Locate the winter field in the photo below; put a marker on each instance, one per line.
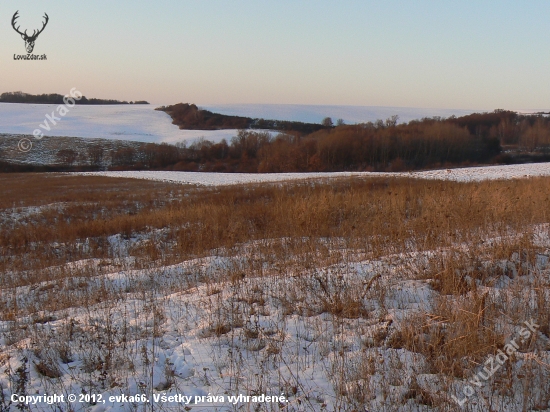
(139, 123)
(373, 294)
(142, 123)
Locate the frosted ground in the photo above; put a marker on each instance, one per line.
(200, 328)
(144, 124)
(186, 329)
(219, 179)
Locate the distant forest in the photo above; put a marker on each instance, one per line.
(499, 137)
(189, 116)
(20, 97)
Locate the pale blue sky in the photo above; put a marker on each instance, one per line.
(440, 54)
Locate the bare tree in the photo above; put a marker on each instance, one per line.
(96, 155)
(392, 121)
(327, 122)
(66, 156)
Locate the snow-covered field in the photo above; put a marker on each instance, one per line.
(139, 123)
(144, 124)
(220, 179)
(187, 330)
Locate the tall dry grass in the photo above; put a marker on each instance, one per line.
(378, 216)
(279, 240)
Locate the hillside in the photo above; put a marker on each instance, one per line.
(73, 153)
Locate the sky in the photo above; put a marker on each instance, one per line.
(410, 53)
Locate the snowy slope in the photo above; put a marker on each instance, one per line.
(144, 124)
(139, 123)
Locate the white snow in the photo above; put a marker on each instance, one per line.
(144, 124)
(139, 123)
(221, 179)
(163, 339)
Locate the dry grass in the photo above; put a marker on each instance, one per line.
(289, 249)
(376, 214)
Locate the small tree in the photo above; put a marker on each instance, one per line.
(392, 121)
(340, 122)
(96, 155)
(327, 122)
(124, 156)
(66, 156)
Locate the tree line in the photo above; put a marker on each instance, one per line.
(481, 138)
(190, 117)
(54, 98)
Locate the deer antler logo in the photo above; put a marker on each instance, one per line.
(29, 40)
